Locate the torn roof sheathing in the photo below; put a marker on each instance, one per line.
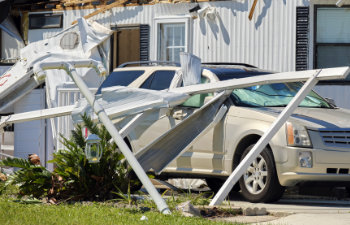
(20, 79)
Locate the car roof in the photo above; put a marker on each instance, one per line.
(234, 72)
(223, 71)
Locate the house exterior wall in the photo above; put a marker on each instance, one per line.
(267, 41)
(30, 137)
(9, 46)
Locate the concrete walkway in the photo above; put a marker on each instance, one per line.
(312, 219)
(299, 212)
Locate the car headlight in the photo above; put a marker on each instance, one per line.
(297, 135)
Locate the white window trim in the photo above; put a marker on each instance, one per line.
(172, 19)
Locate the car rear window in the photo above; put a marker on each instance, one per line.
(120, 78)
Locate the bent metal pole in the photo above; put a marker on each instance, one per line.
(264, 140)
(40, 68)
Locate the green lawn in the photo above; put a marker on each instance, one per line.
(20, 213)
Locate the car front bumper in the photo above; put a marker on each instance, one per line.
(327, 165)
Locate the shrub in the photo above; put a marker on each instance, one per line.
(73, 177)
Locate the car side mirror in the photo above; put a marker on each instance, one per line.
(331, 101)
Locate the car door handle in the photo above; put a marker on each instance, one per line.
(178, 115)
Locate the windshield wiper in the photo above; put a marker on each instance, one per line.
(281, 105)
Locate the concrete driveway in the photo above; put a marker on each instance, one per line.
(299, 212)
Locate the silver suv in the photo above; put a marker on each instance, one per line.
(314, 145)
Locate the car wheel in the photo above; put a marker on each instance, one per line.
(260, 182)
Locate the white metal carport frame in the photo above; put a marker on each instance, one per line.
(264, 140)
(311, 77)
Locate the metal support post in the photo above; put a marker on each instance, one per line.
(264, 140)
(102, 115)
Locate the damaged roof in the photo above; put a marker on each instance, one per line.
(39, 5)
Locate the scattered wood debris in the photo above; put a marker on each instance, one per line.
(3, 177)
(88, 4)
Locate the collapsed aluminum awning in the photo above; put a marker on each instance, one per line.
(131, 108)
(162, 151)
(78, 42)
(209, 111)
(122, 101)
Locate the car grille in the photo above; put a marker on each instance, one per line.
(336, 138)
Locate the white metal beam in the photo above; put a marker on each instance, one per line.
(102, 115)
(325, 74)
(36, 115)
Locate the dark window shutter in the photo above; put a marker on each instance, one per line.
(144, 42)
(302, 38)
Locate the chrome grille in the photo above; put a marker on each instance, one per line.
(336, 138)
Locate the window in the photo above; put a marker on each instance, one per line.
(197, 101)
(172, 37)
(120, 78)
(332, 38)
(159, 80)
(45, 21)
(275, 95)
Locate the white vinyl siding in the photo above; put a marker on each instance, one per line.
(30, 136)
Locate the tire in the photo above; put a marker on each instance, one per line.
(216, 183)
(260, 182)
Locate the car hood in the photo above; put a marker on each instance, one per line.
(314, 118)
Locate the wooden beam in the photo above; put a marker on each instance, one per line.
(71, 3)
(252, 10)
(103, 9)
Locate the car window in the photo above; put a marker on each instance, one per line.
(120, 78)
(197, 101)
(159, 80)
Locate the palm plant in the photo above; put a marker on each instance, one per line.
(91, 181)
(33, 180)
(73, 177)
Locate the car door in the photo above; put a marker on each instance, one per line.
(206, 155)
(151, 127)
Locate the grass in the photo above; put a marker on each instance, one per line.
(17, 212)
(21, 212)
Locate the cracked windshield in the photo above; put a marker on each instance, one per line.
(276, 95)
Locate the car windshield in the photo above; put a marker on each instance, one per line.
(276, 95)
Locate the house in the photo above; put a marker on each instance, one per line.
(277, 35)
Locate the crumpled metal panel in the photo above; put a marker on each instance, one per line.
(122, 101)
(170, 145)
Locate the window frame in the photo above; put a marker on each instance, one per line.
(316, 44)
(187, 20)
(45, 15)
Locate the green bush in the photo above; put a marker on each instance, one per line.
(73, 178)
(33, 180)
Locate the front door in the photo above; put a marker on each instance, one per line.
(130, 43)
